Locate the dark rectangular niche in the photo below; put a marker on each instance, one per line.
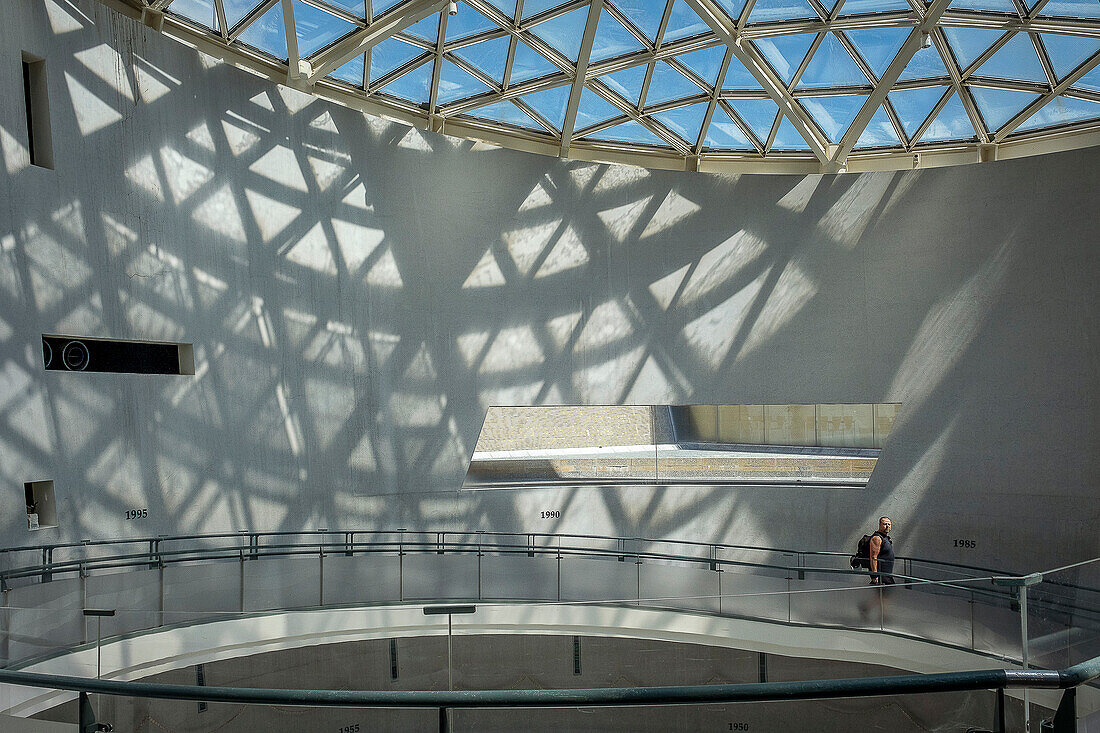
(80, 354)
(41, 507)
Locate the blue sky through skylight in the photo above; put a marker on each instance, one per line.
(831, 89)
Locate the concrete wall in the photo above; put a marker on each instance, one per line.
(359, 292)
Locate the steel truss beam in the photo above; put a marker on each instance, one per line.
(719, 22)
(582, 69)
(889, 78)
(358, 42)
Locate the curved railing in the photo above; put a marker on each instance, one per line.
(184, 579)
(1064, 720)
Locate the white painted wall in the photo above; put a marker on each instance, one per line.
(359, 292)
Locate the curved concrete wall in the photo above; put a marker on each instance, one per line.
(359, 292)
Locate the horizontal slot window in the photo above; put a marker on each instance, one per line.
(79, 354)
(827, 445)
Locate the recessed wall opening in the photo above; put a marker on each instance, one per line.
(80, 354)
(41, 507)
(37, 104)
(826, 445)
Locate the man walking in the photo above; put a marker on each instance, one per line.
(882, 554)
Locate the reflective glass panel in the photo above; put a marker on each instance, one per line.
(1066, 53)
(612, 39)
(998, 106)
(1061, 111)
(952, 123)
(391, 54)
(508, 113)
(913, 105)
(629, 132)
(787, 137)
(564, 32)
(831, 66)
(550, 103)
(684, 121)
(593, 109)
(833, 114)
(879, 46)
(785, 53)
(455, 83)
(668, 84)
(1015, 60)
(879, 132)
(724, 133)
(267, 33)
(758, 114)
(530, 64)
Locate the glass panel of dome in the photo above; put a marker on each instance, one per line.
(530, 64)
(725, 134)
(706, 63)
(235, 10)
(834, 114)
(969, 43)
(787, 137)
(550, 103)
(629, 132)
(1015, 60)
(507, 7)
(316, 28)
(1072, 8)
(267, 33)
(380, 6)
(391, 54)
(455, 84)
(732, 8)
(1061, 111)
(489, 57)
(992, 6)
(684, 121)
(1066, 53)
(612, 39)
(467, 22)
(425, 28)
(785, 53)
(532, 8)
(738, 77)
(951, 123)
(879, 132)
(758, 114)
(879, 46)
(413, 86)
(200, 11)
(593, 109)
(668, 84)
(627, 83)
(863, 7)
(355, 7)
(351, 72)
(507, 113)
(644, 14)
(683, 22)
(766, 11)
(998, 106)
(925, 64)
(1090, 80)
(913, 105)
(564, 32)
(831, 66)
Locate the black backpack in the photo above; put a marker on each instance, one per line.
(862, 558)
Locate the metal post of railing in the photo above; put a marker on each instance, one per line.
(1021, 585)
(999, 712)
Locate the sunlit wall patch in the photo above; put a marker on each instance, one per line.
(821, 445)
(81, 354)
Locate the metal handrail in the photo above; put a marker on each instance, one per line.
(344, 541)
(992, 679)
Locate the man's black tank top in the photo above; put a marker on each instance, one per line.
(885, 553)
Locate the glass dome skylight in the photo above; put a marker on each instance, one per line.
(696, 78)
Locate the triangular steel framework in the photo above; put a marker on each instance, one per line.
(739, 38)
